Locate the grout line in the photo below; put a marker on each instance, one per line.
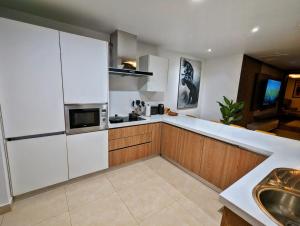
(70, 219)
(128, 208)
(67, 200)
(121, 200)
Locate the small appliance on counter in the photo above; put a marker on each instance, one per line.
(157, 110)
(161, 109)
(148, 110)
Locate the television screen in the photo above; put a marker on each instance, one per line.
(272, 92)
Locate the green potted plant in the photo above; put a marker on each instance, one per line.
(231, 111)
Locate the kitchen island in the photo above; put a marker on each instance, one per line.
(281, 152)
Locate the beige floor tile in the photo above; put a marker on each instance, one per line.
(87, 190)
(61, 220)
(156, 163)
(1, 218)
(201, 215)
(110, 211)
(173, 215)
(130, 176)
(145, 199)
(167, 187)
(207, 201)
(37, 208)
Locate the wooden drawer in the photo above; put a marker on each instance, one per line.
(129, 154)
(129, 141)
(128, 131)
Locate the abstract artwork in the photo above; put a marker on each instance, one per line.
(189, 83)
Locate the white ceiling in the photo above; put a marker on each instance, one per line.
(189, 26)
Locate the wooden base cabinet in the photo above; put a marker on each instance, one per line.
(219, 163)
(229, 218)
(131, 143)
(124, 155)
(223, 164)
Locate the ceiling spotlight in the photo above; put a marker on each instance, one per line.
(255, 29)
(294, 75)
(209, 50)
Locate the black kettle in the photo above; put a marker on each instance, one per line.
(161, 109)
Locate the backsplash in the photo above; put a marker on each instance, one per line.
(120, 101)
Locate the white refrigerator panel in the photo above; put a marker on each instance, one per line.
(84, 69)
(87, 153)
(30, 79)
(37, 162)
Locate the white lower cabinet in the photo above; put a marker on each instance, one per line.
(87, 153)
(37, 162)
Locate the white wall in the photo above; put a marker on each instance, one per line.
(125, 89)
(5, 197)
(220, 78)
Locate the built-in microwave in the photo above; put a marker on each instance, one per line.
(82, 118)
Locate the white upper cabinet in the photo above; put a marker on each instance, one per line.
(30, 79)
(84, 69)
(159, 66)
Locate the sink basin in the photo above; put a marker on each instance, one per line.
(283, 206)
(278, 195)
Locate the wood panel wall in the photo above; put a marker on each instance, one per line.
(247, 87)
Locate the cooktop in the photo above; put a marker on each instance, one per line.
(119, 119)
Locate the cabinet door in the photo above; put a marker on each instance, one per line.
(87, 153)
(213, 161)
(159, 66)
(171, 141)
(30, 79)
(36, 163)
(84, 69)
(238, 163)
(156, 138)
(191, 151)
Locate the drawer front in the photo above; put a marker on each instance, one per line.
(129, 154)
(128, 132)
(129, 141)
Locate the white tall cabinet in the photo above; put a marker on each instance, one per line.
(159, 66)
(31, 97)
(30, 79)
(84, 69)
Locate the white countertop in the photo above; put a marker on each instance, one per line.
(238, 197)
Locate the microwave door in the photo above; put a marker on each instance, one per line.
(80, 118)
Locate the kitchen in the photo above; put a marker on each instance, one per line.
(94, 132)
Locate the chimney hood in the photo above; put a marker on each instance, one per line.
(123, 54)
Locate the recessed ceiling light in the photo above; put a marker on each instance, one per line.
(255, 29)
(198, 0)
(209, 50)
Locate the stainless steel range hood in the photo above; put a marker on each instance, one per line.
(123, 54)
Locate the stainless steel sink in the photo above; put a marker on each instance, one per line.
(278, 195)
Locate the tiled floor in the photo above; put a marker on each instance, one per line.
(150, 192)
